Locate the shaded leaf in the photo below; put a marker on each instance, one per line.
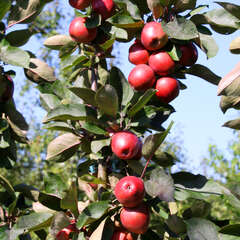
(7, 186)
(5, 5)
(19, 38)
(182, 5)
(229, 102)
(233, 229)
(152, 142)
(92, 212)
(235, 46)
(25, 12)
(156, 8)
(143, 100)
(107, 100)
(86, 94)
(234, 124)
(180, 28)
(39, 71)
(231, 8)
(161, 185)
(49, 101)
(49, 200)
(63, 147)
(70, 200)
(69, 112)
(201, 229)
(97, 145)
(229, 84)
(57, 41)
(90, 127)
(204, 73)
(120, 83)
(60, 221)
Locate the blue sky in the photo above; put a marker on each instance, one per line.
(198, 118)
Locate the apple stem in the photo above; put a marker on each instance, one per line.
(145, 168)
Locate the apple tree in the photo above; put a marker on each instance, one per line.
(122, 186)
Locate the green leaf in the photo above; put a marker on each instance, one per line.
(180, 28)
(4, 233)
(63, 147)
(120, 83)
(201, 229)
(234, 124)
(5, 5)
(119, 33)
(70, 200)
(97, 145)
(227, 237)
(7, 186)
(161, 185)
(92, 212)
(86, 94)
(94, 21)
(163, 159)
(204, 73)
(152, 142)
(28, 191)
(93, 128)
(34, 221)
(50, 201)
(175, 53)
(13, 55)
(69, 112)
(107, 100)
(49, 101)
(143, 100)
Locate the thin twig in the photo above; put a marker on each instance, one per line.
(145, 168)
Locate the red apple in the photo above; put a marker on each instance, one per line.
(80, 4)
(141, 77)
(125, 145)
(130, 191)
(189, 54)
(65, 232)
(161, 63)
(121, 235)
(135, 220)
(80, 33)
(153, 37)
(103, 7)
(139, 153)
(138, 54)
(168, 89)
(7, 88)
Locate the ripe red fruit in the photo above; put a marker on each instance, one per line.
(125, 145)
(161, 63)
(136, 219)
(121, 235)
(7, 88)
(80, 4)
(103, 7)
(153, 37)
(130, 191)
(189, 54)
(141, 77)
(79, 32)
(168, 89)
(138, 54)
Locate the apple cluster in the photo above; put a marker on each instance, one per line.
(78, 30)
(134, 215)
(152, 59)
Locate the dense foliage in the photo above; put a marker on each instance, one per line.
(90, 103)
